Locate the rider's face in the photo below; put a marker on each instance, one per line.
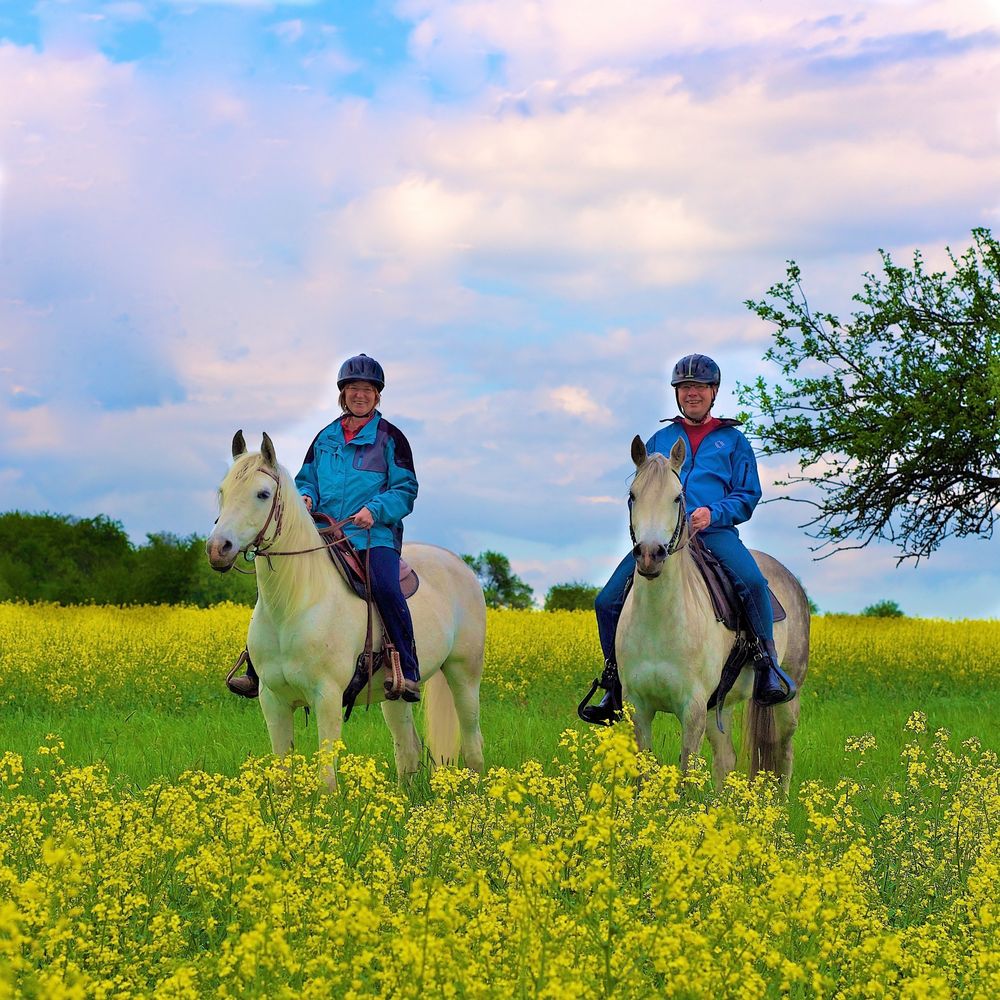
(360, 398)
(696, 399)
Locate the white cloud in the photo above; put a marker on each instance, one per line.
(576, 401)
(527, 259)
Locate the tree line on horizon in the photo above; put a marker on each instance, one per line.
(70, 560)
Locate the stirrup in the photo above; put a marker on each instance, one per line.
(246, 685)
(393, 672)
(610, 682)
(765, 663)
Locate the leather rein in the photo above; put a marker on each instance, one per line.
(258, 548)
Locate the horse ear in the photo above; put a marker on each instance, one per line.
(267, 451)
(638, 451)
(677, 455)
(239, 445)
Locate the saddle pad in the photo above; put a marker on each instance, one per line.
(351, 563)
(725, 600)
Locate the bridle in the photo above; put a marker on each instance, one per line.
(276, 514)
(674, 544)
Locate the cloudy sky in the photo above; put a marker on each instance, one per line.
(526, 209)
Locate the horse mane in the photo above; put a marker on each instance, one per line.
(309, 572)
(656, 471)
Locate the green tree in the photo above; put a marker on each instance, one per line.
(571, 597)
(164, 568)
(884, 609)
(502, 588)
(54, 557)
(893, 413)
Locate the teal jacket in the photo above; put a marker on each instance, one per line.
(375, 470)
(723, 476)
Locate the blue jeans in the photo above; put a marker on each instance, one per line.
(383, 565)
(725, 545)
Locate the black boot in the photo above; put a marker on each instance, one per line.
(609, 709)
(771, 685)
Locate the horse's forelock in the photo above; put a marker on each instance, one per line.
(244, 466)
(652, 470)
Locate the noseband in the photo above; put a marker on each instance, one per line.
(673, 545)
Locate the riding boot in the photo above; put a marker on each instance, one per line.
(246, 685)
(771, 685)
(609, 708)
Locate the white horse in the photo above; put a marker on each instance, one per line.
(309, 627)
(670, 647)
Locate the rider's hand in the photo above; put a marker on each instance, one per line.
(363, 518)
(701, 518)
(308, 501)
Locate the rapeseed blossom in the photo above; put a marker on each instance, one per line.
(604, 874)
(600, 873)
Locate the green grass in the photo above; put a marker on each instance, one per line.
(145, 744)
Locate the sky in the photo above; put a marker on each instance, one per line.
(527, 210)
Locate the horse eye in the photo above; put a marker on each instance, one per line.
(677, 499)
(631, 497)
(264, 495)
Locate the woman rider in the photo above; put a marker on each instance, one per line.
(722, 486)
(361, 467)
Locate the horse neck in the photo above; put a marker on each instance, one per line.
(289, 585)
(667, 599)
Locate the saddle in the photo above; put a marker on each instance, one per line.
(730, 612)
(726, 602)
(351, 563)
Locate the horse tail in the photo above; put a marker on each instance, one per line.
(442, 721)
(760, 738)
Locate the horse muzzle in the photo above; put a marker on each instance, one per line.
(649, 559)
(222, 553)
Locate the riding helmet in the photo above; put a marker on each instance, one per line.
(696, 368)
(361, 368)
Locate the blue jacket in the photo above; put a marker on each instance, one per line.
(722, 477)
(375, 470)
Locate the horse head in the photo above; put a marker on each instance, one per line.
(249, 505)
(657, 518)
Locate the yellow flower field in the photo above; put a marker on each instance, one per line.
(89, 655)
(581, 881)
(599, 873)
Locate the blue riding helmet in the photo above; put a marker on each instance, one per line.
(361, 368)
(696, 368)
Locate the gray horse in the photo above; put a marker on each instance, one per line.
(671, 649)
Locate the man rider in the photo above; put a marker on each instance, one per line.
(722, 487)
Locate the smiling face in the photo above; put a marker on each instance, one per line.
(695, 400)
(360, 398)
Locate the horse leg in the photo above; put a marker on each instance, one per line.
(723, 751)
(405, 742)
(786, 720)
(464, 686)
(692, 731)
(329, 719)
(278, 718)
(642, 723)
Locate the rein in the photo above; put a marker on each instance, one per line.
(276, 513)
(367, 659)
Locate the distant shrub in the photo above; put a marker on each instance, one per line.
(884, 609)
(571, 597)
